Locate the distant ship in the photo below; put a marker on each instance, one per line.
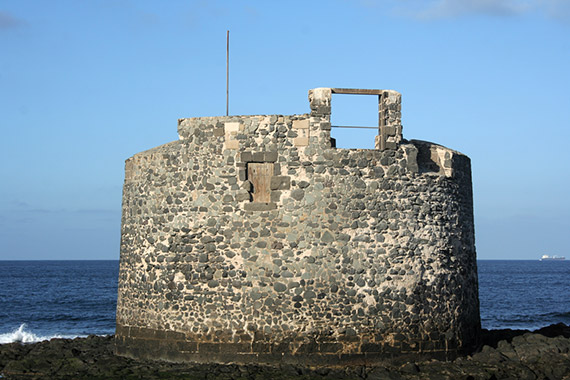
(550, 258)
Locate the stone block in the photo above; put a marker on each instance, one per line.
(185, 346)
(141, 332)
(261, 347)
(320, 96)
(389, 130)
(280, 347)
(378, 142)
(122, 330)
(330, 347)
(322, 110)
(279, 287)
(353, 359)
(301, 124)
(247, 185)
(259, 206)
(327, 237)
(308, 347)
(231, 127)
(231, 144)
(409, 347)
(175, 335)
(209, 348)
(276, 169)
(280, 183)
(297, 194)
(371, 347)
(243, 195)
(246, 157)
(301, 141)
(390, 349)
(270, 157)
(275, 196)
(258, 157)
(234, 348)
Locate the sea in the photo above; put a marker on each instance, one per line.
(41, 300)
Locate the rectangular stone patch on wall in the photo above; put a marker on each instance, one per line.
(301, 141)
(231, 127)
(301, 124)
(302, 129)
(231, 144)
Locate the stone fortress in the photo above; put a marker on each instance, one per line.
(253, 239)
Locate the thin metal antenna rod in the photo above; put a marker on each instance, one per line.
(227, 72)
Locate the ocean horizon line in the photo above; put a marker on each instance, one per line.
(6, 260)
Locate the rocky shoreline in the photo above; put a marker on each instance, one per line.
(504, 354)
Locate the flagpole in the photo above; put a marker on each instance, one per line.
(227, 72)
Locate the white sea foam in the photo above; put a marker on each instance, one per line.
(22, 335)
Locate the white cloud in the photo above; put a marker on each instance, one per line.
(7, 21)
(557, 9)
(446, 9)
(452, 8)
(441, 9)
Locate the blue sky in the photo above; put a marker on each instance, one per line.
(86, 84)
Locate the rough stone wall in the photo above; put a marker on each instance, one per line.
(251, 239)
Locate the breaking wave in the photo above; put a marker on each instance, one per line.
(21, 335)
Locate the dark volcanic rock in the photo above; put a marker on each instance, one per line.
(492, 337)
(519, 354)
(559, 329)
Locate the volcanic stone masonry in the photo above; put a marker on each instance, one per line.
(254, 239)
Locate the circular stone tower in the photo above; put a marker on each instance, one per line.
(254, 239)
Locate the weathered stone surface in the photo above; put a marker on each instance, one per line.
(93, 358)
(280, 183)
(350, 253)
(232, 144)
(301, 141)
(301, 124)
(297, 194)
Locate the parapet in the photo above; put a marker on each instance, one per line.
(389, 112)
(255, 239)
(389, 119)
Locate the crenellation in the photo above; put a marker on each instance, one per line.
(254, 239)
